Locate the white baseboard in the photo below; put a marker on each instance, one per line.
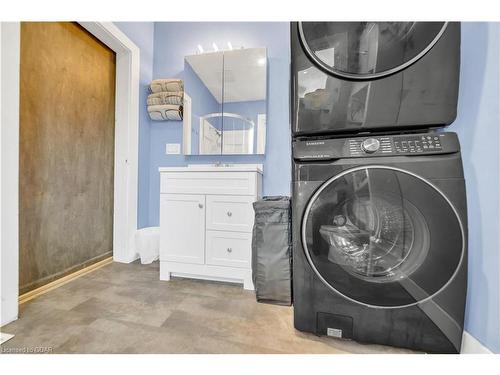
(207, 272)
(470, 345)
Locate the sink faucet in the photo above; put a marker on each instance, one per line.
(221, 164)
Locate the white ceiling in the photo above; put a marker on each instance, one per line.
(244, 73)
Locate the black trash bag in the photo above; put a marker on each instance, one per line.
(272, 251)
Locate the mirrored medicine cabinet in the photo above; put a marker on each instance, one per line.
(225, 102)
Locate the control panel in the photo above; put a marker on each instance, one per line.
(374, 146)
(400, 144)
(421, 143)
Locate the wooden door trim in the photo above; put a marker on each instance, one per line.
(126, 152)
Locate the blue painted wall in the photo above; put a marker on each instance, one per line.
(141, 33)
(173, 41)
(478, 124)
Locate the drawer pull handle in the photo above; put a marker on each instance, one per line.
(200, 205)
(229, 250)
(229, 213)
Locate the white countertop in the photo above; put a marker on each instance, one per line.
(214, 168)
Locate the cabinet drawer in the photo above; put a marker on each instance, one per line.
(239, 183)
(230, 213)
(230, 249)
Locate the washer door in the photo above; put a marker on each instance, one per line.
(382, 237)
(368, 50)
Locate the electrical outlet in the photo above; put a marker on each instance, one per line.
(173, 148)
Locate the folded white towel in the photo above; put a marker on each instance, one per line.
(159, 85)
(166, 97)
(165, 112)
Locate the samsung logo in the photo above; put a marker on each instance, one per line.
(315, 143)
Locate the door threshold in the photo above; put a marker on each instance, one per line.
(63, 280)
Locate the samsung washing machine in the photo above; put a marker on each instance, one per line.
(380, 239)
(350, 77)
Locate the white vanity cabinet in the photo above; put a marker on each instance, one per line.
(206, 222)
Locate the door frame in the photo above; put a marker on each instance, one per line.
(125, 159)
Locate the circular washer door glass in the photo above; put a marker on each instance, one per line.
(382, 237)
(367, 50)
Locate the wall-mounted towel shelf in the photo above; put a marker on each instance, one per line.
(165, 101)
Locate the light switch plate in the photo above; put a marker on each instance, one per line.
(173, 149)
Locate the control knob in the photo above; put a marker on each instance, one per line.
(370, 145)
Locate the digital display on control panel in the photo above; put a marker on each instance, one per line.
(420, 143)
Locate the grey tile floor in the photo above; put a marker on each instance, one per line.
(125, 308)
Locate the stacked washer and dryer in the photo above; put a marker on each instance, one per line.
(379, 206)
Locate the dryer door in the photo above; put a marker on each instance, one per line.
(368, 50)
(382, 237)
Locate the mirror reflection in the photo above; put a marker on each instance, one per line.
(225, 102)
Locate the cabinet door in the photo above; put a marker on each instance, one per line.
(182, 228)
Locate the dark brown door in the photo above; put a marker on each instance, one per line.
(66, 151)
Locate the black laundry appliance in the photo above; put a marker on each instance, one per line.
(350, 77)
(378, 198)
(380, 239)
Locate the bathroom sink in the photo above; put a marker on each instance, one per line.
(216, 167)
